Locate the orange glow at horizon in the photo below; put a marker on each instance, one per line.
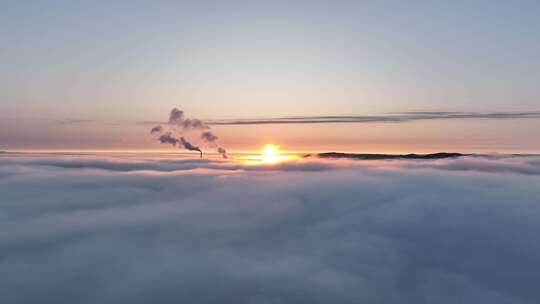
(269, 154)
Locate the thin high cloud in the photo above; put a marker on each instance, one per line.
(398, 117)
(73, 121)
(95, 229)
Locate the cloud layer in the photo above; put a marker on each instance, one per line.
(103, 229)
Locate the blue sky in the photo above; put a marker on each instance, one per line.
(135, 60)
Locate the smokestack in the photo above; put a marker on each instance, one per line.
(189, 146)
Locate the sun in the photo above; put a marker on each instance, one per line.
(270, 154)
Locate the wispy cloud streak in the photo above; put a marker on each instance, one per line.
(392, 118)
(72, 121)
(397, 117)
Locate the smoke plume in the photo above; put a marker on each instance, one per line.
(176, 117)
(212, 140)
(156, 130)
(168, 138)
(189, 146)
(174, 132)
(194, 124)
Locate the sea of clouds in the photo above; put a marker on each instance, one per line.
(136, 229)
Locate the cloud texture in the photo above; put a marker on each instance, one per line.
(103, 229)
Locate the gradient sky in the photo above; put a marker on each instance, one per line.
(84, 74)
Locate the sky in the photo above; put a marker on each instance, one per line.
(90, 74)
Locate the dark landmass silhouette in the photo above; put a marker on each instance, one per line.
(361, 156)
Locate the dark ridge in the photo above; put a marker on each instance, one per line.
(440, 155)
